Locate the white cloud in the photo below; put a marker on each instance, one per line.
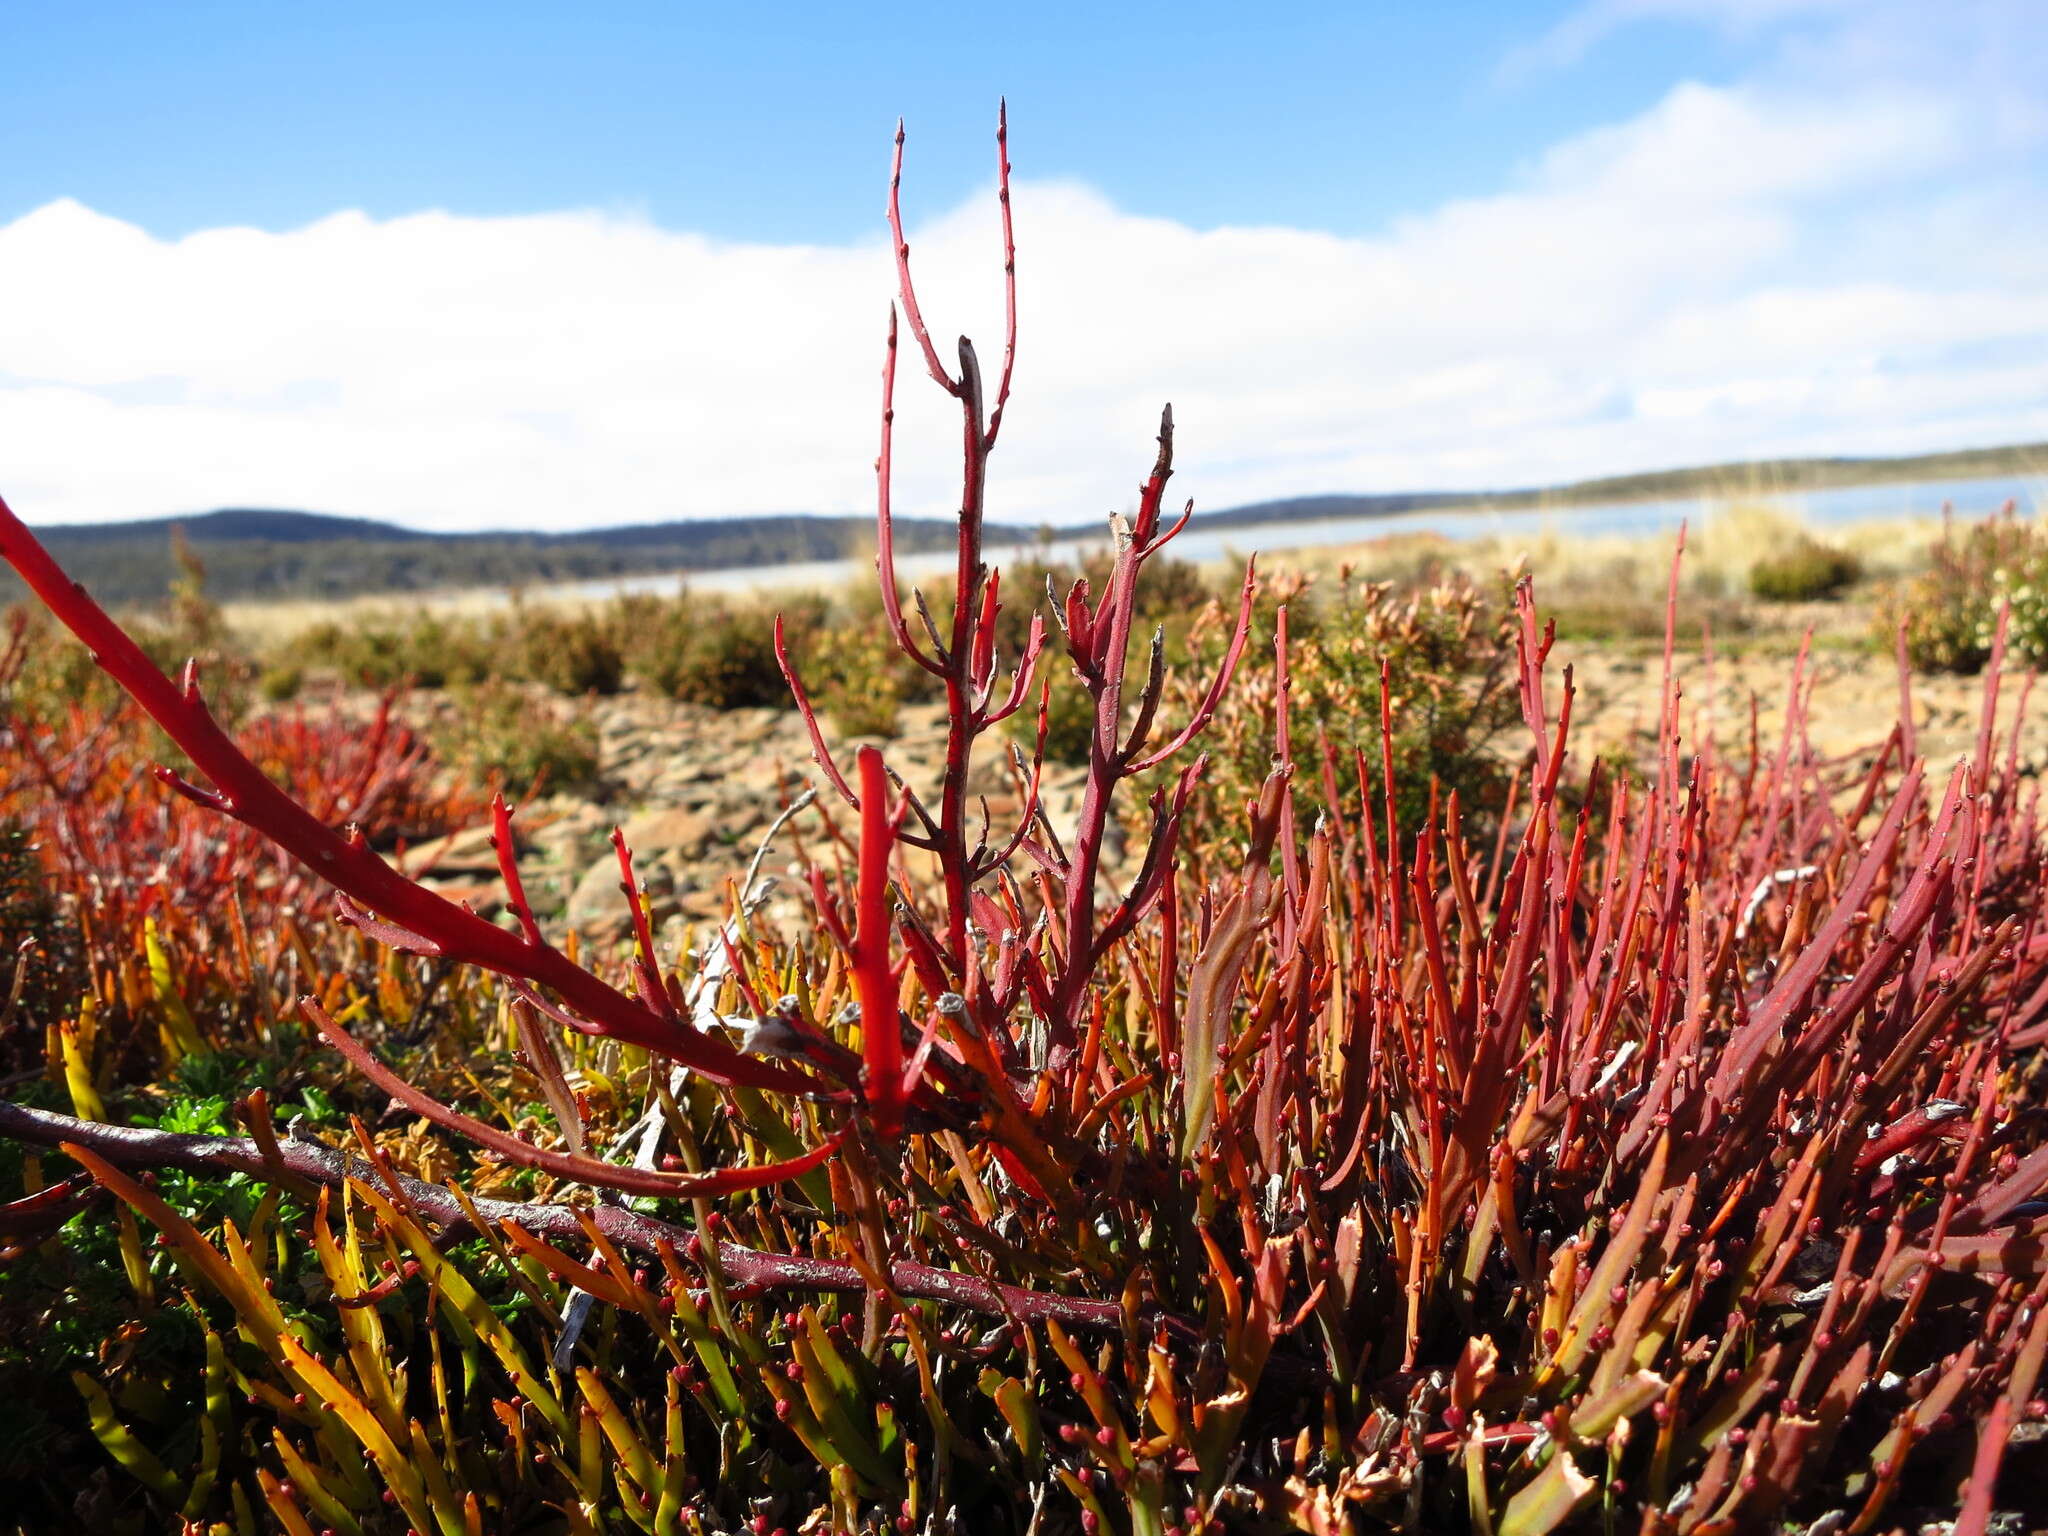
(1742, 270)
(1584, 28)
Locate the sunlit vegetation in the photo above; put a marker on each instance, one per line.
(1429, 1127)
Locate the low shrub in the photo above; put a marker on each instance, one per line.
(498, 733)
(423, 650)
(1444, 656)
(42, 943)
(45, 674)
(1949, 612)
(862, 684)
(1609, 618)
(1441, 655)
(1808, 572)
(721, 657)
(279, 685)
(575, 652)
(654, 632)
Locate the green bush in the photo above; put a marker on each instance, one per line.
(1450, 653)
(501, 735)
(278, 684)
(56, 673)
(654, 632)
(426, 650)
(572, 653)
(44, 949)
(717, 656)
(862, 679)
(2027, 590)
(1809, 571)
(1449, 648)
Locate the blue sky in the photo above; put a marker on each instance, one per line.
(520, 265)
(763, 123)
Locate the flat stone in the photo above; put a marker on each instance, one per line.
(597, 907)
(485, 898)
(467, 852)
(669, 830)
(596, 904)
(702, 904)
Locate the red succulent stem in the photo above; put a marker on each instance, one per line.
(646, 969)
(1100, 647)
(567, 1165)
(242, 792)
(995, 415)
(965, 660)
(901, 247)
(820, 753)
(964, 720)
(874, 978)
(1219, 683)
(885, 522)
(1098, 641)
(506, 849)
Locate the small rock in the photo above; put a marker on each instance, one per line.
(703, 903)
(598, 908)
(596, 898)
(483, 897)
(670, 830)
(467, 852)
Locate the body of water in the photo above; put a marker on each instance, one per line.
(1819, 509)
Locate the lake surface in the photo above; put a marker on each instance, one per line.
(1819, 509)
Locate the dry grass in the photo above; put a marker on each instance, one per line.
(1602, 586)
(1721, 545)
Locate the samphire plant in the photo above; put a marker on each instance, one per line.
(1671, 1163)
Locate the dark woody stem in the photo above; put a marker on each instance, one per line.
(317, 1164)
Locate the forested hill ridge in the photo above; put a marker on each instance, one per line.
(249, 553)
(1751, 477)
(253, 553)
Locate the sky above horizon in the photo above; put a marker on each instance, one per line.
(467, 267)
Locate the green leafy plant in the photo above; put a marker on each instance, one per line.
(713, 654)
(500, 733)
(576, 652)
(280, 685)
(424, 650)
(862, 685)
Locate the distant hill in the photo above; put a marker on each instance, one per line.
(1748, 477)
(262, 554)
(1309, 509)
(238, 523)
(258, 553)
